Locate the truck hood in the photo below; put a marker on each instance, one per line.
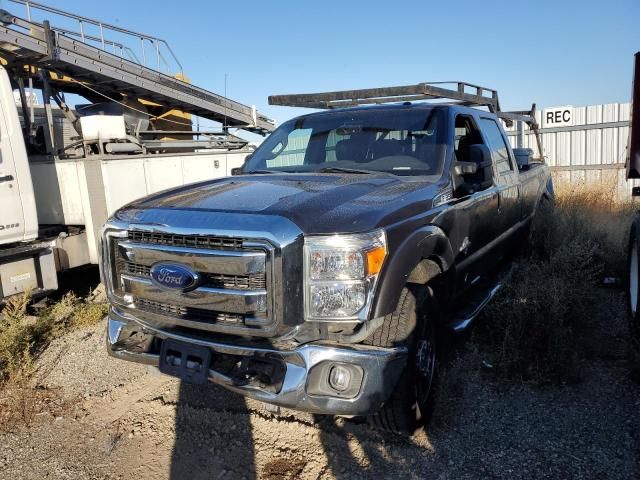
(317, 203)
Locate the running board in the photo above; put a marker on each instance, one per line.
(463, 320)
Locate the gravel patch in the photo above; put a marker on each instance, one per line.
(130, 422)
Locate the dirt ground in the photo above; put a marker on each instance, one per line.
(114, 419)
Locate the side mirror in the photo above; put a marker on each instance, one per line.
(523, 157)
(477, 173)
(480, 154)
(465, 168)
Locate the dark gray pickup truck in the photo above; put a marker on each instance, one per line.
(319, 277)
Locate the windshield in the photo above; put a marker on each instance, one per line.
(407, 141)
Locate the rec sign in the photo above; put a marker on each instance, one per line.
(557, 117)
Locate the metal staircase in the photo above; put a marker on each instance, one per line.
(83, 63)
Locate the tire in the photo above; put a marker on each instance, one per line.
(412, 325)
(633, 277)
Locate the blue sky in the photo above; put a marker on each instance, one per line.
(552, 52)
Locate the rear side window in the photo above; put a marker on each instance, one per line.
(497, 145)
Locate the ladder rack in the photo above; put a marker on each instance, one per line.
(462, 93)
(93, 71)
(479, 96)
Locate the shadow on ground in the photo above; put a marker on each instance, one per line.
(481, 428)
(219, 434)
(213, 437)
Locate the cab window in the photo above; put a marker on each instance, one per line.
(497, 145)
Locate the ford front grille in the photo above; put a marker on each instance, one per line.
(232, 294)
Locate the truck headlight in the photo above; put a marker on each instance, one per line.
(341, 273)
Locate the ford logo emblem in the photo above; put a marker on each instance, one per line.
(171, 275)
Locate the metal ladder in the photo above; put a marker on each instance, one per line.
(91, 69)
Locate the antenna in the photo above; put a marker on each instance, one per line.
(224, 126)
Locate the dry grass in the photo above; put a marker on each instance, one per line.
(590, 212)
(74, 312)
(537, 325)
(22, 338)
(19, 335)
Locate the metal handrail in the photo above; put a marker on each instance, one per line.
(123, 48)
(155, 41)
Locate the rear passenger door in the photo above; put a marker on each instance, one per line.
(506, 175)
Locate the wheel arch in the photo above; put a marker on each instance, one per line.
(422, 256)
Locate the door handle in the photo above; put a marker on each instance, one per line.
(6, 178)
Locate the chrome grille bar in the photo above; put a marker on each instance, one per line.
(208, 261)
(189, 312)
(254, 281)
(219, 300)
(177, 240)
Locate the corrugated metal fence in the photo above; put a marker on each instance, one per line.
(587, 145)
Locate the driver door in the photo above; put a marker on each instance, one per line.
(477, 223)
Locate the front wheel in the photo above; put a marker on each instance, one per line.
(412, 325)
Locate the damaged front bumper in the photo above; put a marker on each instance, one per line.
(297, 378)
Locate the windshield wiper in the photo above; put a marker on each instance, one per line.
(346, 170)
(261, 172)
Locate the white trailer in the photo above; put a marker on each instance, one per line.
(55, 196)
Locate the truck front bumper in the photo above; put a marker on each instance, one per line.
(303, 382)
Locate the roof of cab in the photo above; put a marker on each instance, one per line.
(398, 106)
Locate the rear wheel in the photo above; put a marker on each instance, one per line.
(411, 325)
